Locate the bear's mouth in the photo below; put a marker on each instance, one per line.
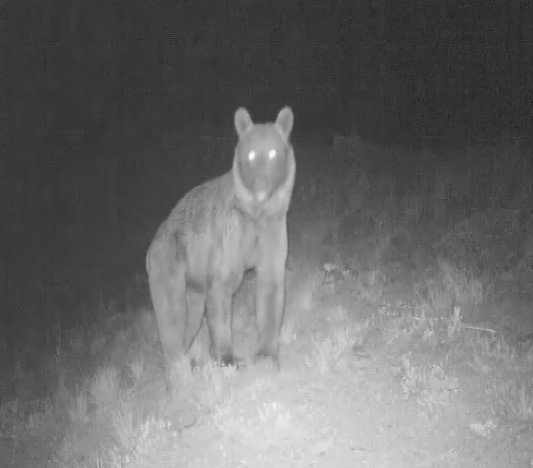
(261, 195)
(261, 188)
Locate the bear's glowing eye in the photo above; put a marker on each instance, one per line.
(272, 154)
(251, 155)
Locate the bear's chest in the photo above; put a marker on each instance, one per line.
(239, 244)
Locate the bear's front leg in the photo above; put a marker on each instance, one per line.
(219, 320)
(270, 293)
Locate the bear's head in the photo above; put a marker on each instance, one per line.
(264, 166)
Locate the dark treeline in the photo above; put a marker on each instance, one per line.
(86, 86)
(458, 69)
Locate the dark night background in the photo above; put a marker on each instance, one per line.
(99, 99)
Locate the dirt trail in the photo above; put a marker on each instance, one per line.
(356, 415)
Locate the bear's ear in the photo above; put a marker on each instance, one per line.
(285, 121)
(243, 121)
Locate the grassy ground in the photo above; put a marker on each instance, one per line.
(408, 338)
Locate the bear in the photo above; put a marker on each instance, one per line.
(219, 230)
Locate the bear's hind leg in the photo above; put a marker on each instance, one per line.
(195, 314)
(169, 301)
